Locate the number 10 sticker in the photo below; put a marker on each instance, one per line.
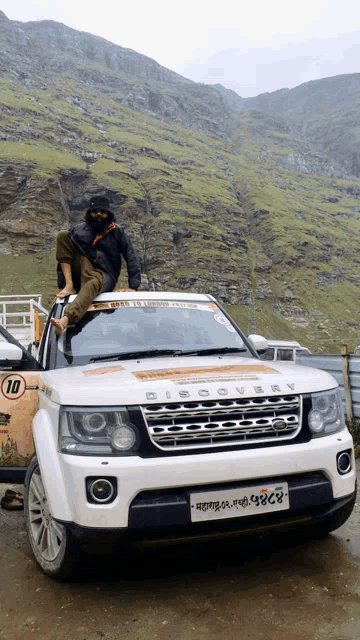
(13, 387)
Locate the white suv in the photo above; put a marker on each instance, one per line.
(157, 422)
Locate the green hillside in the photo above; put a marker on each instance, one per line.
(252, 206)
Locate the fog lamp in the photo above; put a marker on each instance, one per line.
(101, 490)
(344, 462)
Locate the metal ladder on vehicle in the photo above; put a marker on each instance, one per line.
(24, 317)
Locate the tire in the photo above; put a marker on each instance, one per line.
(51, 542)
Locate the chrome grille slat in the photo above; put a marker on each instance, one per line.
(163, 413)
(189, 425)
(206, 434)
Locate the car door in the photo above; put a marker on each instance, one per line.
(18, 403)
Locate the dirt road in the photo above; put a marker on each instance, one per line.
(272, 588)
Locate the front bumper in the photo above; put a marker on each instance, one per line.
(65, 478)
(166, 533)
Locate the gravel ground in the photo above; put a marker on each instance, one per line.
(273, 588)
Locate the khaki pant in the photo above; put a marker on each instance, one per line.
(87, 280)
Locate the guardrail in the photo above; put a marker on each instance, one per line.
(345, 368)
(25, 318)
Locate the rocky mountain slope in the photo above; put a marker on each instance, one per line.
(325, 113)
(255, 201)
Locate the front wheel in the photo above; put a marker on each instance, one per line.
(51, 542)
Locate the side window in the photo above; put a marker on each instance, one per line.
(269, 354)
(285, 354)
(9, 365)
(26, 363)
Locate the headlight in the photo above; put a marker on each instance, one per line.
(327, 413)
(123, 437)
(94, 422)
(97, 431)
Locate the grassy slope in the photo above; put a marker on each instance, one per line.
(308, 236)
(176, 178)
(180, 171)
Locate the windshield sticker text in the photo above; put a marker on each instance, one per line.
(98, 306)
(223, 320)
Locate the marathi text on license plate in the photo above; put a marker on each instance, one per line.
(233, 503)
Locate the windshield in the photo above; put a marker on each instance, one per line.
(110, 328)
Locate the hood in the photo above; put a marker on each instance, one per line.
(161, 380)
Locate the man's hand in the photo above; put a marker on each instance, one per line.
(123, 289)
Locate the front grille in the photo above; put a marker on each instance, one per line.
(194, 425)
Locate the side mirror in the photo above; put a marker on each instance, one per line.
(259, 343)
(9, 351)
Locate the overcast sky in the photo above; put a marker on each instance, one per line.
(251, 47)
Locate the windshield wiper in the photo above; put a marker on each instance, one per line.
(210, 351)
(135, 354)
(149, 353)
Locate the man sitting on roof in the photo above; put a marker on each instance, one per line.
(89, 261)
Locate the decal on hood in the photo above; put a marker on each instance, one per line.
(101, 370)
(208, 374)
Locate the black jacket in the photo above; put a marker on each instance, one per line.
(106, 255)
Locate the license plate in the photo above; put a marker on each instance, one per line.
(234, 503)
